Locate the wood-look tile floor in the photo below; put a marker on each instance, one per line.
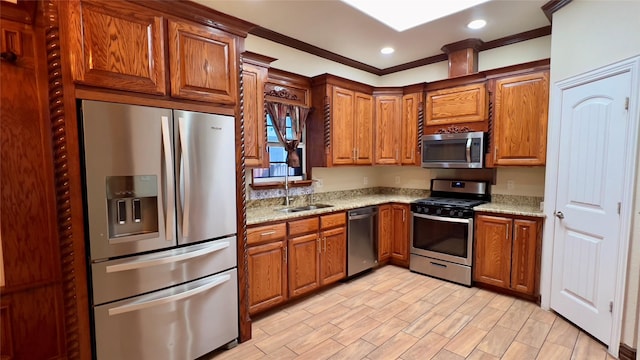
(392, 313)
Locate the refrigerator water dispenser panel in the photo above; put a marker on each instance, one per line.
(132, 203)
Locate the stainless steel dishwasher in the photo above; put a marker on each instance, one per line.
(362, 240)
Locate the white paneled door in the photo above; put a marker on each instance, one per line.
(591, 171)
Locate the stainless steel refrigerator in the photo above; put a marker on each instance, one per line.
(160, 200)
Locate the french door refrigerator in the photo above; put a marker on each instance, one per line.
(160, 200)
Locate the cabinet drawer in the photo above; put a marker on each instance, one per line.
(303, 226)
(332, 220)
(265, 233)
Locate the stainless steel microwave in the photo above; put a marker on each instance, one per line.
(463, 150)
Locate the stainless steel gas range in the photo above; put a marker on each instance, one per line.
(442, 229)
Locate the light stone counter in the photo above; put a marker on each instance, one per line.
(259, 215)
(513, 205)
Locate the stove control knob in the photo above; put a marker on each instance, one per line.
(439, 211)
(460, 213)
(425, 210)
(452, 212)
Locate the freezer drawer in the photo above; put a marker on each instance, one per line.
(123, 278)
(183, 322)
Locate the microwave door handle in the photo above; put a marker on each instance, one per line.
(469, 150)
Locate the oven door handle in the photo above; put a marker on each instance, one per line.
(441, 218)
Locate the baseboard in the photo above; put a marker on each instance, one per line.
(627, 353)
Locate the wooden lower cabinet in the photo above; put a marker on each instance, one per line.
(385, 233)
(304, 273)
(333, 257)
(267, 275)
(393, 234)
(507, 252)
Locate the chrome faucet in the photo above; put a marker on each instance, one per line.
(286, 187)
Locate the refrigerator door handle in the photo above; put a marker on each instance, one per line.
(139, 264)
(136, 306)
(185, 182)
(170, 207)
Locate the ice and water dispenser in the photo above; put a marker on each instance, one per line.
(132, 203)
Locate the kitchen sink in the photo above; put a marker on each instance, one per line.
(304, 208)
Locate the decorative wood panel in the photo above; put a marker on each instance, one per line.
(202, 63)
(523, 258)
(492, 260)
(267, 275)
(304, 274)
(333, 261)
(117, 45)
(410, 154)
(462, 104)
(255, 117)
(363, 128)
(520, 120)
(385, 232)
(387, 129)
(304, 226)
(342, 125)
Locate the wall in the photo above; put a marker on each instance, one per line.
(587, 35)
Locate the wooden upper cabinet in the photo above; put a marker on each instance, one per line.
(409, 150)
(363, 128)
(387, 129)
(117, 45)
(457, 105)
(342, 125)
(203, 63)
(254, 77)
(520, 112)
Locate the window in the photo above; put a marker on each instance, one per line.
(278, 157)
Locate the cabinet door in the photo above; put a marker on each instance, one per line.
(385, 232)
(400, 234)
(363, 128)
(524, 258)
(117, 45)
(333, 263)
(387, 139)
(409, 154)
(304, 252)
(342, 125)
(267, 275)
(520, 120)
(255, 133)
(461, 104)
(492, 259)
(202, 63)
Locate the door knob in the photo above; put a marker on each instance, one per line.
(559, 215)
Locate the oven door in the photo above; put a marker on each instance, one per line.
(448, 239)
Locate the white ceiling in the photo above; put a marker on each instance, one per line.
(337, 27)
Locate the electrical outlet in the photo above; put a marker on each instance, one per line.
(397, 180)
(318, 182)
(365, 180)
(511, 185)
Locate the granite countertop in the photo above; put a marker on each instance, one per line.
(270, 213)
(511, 209)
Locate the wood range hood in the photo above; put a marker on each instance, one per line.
(463, 57)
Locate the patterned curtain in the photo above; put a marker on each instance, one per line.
(298, 115)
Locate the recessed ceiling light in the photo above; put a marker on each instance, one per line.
(387, 50)
(476, 24)
(401, 15)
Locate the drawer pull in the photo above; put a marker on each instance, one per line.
(268, 233)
